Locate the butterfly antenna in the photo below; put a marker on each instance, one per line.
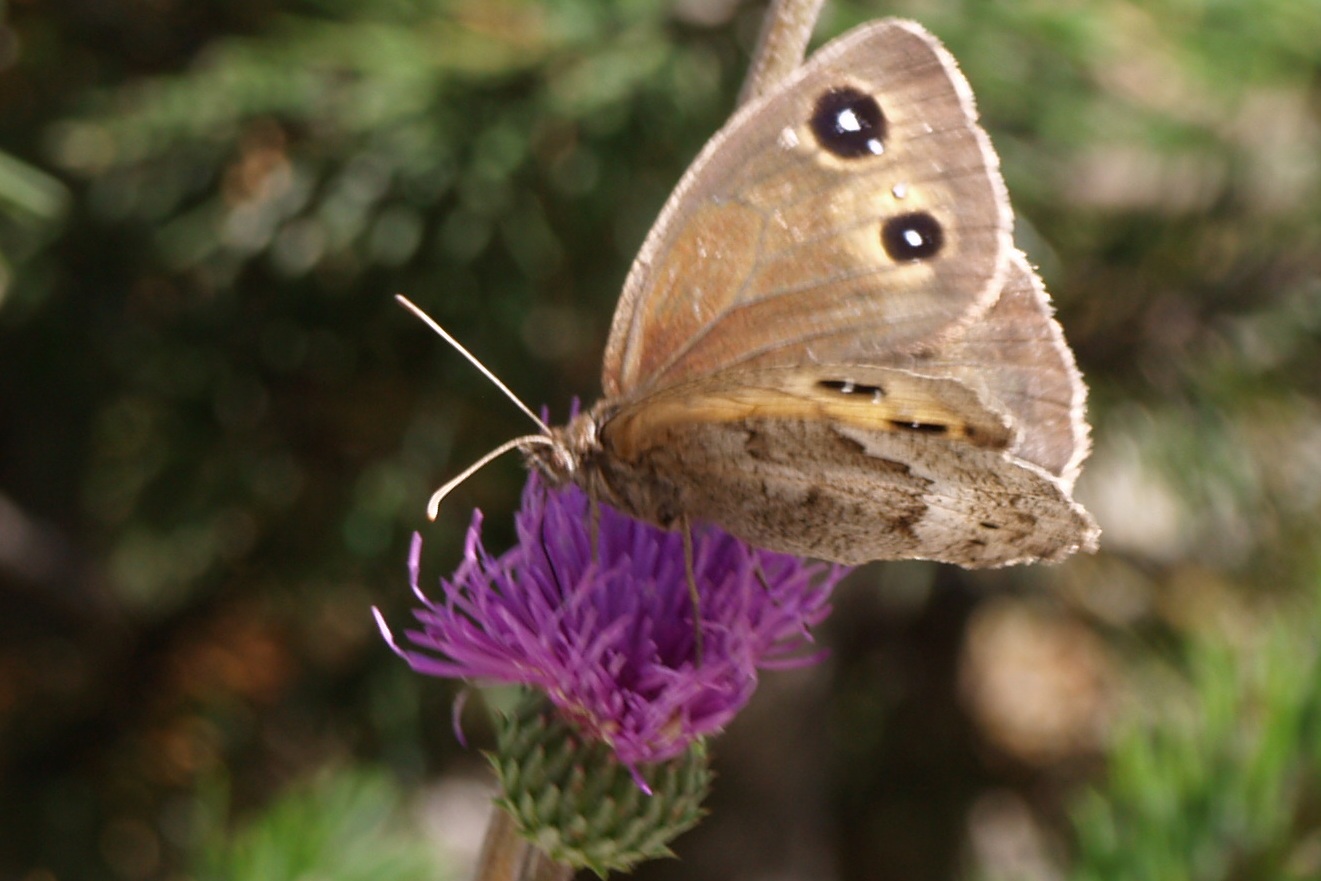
(518, 443)
(472, 359)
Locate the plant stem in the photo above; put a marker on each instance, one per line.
(508, 856)
(785, 32)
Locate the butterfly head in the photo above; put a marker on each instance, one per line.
(567, 452)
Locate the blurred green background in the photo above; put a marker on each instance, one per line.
(217, 432)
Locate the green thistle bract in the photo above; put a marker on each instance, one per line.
(575, 800)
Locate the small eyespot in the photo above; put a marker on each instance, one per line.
(849, 123)
(920, 427)
(916, 236)
(849, 387)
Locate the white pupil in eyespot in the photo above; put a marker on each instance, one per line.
(847, 120)
(913, 238)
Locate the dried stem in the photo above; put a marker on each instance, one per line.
(508, 856)
(785, 32)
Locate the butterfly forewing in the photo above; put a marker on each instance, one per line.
(854, 212)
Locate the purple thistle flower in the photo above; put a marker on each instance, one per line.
(610, 640)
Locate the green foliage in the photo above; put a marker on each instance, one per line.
(1222, 779)
(334, 143)
(344, 826)
(32, 204)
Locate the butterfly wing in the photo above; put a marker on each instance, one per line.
(845, 463)
(1016, 357)
(828, 344)
(857, 210)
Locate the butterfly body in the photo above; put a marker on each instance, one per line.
(828, 344)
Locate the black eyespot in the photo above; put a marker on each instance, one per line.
(920, 427)
(849, 123)
(916, 236)
(849, 387)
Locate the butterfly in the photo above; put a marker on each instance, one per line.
(828, 344)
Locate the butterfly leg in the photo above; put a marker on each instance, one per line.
(687, 529)
(762, 579)
(594, 529)
(760, 574)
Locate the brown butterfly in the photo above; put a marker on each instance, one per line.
(828, 344)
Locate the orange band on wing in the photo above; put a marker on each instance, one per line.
(901, 405)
